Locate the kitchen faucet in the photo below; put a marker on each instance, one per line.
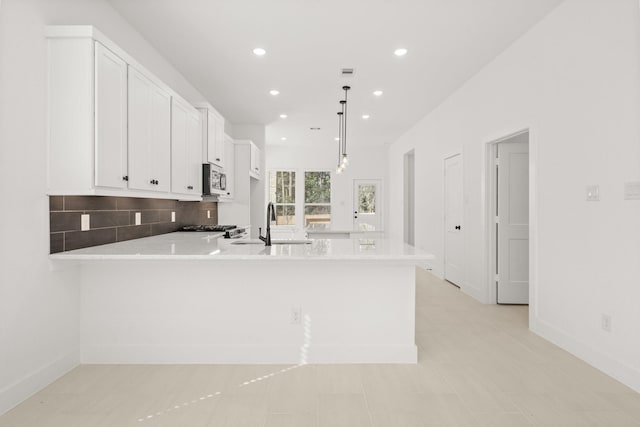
(271, 216)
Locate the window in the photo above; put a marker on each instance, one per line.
(317, 199)
(282, 192)
(366, 199)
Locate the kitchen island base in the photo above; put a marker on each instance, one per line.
(281, 312)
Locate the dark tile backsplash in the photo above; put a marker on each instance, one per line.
(112, 219)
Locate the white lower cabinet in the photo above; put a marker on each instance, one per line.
(186, 149)
(149, 134)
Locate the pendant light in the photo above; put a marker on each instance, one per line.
(339, 167)
(343, 159)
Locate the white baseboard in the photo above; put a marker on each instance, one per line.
(622, 372)
(248, 354)
(15, 393)
(476, 293)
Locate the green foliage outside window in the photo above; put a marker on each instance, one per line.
(282, 192)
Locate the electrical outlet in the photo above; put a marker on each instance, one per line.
(173, 217)
(296, 315)
(606, 323)
(632, 190)
(85, 222)
(593, 193)
(138, 218)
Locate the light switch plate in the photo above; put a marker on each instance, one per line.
(173, 217)
(632, 190)
(85, 222)
(138, 218)
(593, 193)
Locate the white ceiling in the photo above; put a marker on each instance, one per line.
(308, 41)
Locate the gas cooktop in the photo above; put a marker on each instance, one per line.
(206, 227)
(230, 231)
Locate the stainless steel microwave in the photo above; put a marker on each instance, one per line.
(214, 181)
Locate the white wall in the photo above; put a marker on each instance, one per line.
(364, 164)
(574, 81)
(39, 308)
(255, 133)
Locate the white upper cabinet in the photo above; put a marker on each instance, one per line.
(254, 170)
(213, 145)
(109, 123)
(110, 119)
(229, 149)
(87, 116)
(149, 134)
(186, 149)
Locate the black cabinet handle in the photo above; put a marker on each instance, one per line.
(217, 159)
(152, 182)
(457, 227)
(190, 187)
(125, 178)
(228, 194)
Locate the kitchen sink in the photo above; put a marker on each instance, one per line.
(273, 242)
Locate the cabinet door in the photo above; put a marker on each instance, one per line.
(229, 169)
(161, 139)
(194, 154)
(178, 147)
(186, 151)
(255, 161)
(215, 139)
(110, 119)
(220, 142)
(213, 153)
(149, 134)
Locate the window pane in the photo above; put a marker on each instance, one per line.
(282, 187)
(285, 215)
(317, 216)
(366, 199)
(317, 187)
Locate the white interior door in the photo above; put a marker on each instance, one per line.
(453, 240)
(513, 221)
(367, 201)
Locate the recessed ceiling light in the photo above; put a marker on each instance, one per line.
(274, 92)
(284, 138)
(377, 92)
(259, 51)
(365, 116)
(400, 52)
(283, 116)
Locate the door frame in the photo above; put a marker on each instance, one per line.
(462, 285)
(409, 197)
(490, 200)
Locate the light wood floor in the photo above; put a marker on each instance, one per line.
(479, 366)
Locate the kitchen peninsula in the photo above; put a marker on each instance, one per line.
(185, 298)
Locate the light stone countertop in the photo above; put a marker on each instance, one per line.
(209, 246)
